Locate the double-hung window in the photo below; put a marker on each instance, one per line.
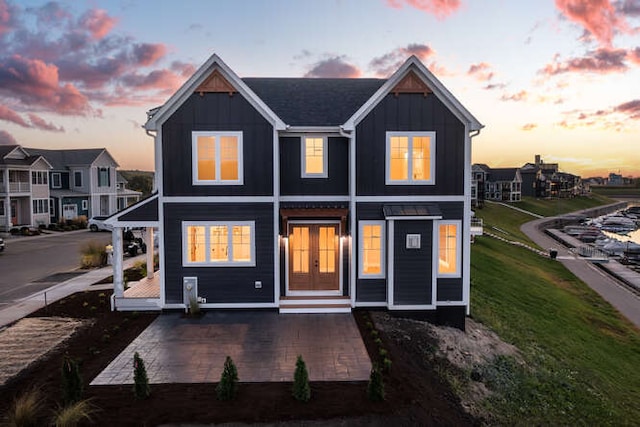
(217, 158)
(372, 243)
(77, 179)
(104, 177)
(56, 180)
(449, 248)
(314, 157)
(410, 158)
(219, 244)
(40, 206)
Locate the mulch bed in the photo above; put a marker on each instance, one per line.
(414, 393)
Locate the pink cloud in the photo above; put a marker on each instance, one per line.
(51, 14)
(600, 61)
(439, 8)
(146, 54)
(40, 123)
(164, 80)
(481, 71)
(631, 109)
(334, 67)
(6, 16)
(6, 138)
(97, 22)
(598, 18)
(629, 7)
(517, 97)
(182, 68)
(634, 55)
(493, 86)
(389, 62)
(529, 127)
(9, 115)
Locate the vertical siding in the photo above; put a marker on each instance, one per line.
(220, 284)
(217, 112)
(412, 268)
(337, 180)
(410, 112)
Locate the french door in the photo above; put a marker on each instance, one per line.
(314, 253)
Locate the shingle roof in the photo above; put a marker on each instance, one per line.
(314, 101)
(61, 159)
(6, 149)
(503, 174)
(411, 210)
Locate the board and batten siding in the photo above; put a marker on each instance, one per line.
(337, 180)
(412, 268)
(217, 112)
(220, 284)
(403, 113)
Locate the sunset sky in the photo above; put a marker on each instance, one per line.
(556, 78)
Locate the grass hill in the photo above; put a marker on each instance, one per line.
(580, 357)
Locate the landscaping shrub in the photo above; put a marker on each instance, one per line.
(14, 231)
(375, 388)
(301, 388)
(194, 306)
(227, 388)
(27, 410)
(94, 254)
(141, 388)
(72, 385)
(74, 414)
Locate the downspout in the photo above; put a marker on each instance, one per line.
(155, 175)
(467, 208)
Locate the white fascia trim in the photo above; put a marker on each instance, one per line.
(430, 80)
(218, 199)
(114, 219)
(181, 95)
(223, 305)
(451, 303)
(413, 307)
(303, 198)
(305, 130)
(410, 199)
(370, 304)
(415, 217)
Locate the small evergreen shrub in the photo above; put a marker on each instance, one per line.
(141, 388)
(301, 388)
(227, 388)
(375, 388)
(72, 385)
(386, 364)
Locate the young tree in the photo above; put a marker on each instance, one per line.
(228, 386)
(375, 388)
(72, 385)
(141, 388)
(301, 388)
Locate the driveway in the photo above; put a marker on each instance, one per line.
(33, 264)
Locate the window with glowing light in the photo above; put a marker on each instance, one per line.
(372, 258)
(410, 158)
(217, 158)
(218, 243)
(314, 157)
(449, 249)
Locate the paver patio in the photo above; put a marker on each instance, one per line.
(263, 345)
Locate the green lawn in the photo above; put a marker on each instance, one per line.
(553, 207)
(582, 359)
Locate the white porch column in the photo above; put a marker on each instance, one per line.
(118, 264)
(150, 252)
(7, 200)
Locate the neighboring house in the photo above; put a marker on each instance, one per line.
(478, 178)
(126, 197)
(503, 184)
(24, 190)
(81, 181)
(309, 195)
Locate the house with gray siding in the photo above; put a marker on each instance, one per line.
(309, 195)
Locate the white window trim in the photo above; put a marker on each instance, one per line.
(432, 162)
(325, 157)
(458, 272)
(229, 225)
(53, 180)
(383, 245)
(194, 158)
(85, 205)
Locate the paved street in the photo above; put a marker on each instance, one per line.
(32, 264)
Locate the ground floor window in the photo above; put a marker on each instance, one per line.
(218, 243)
(371, 253)
(40, 206)
(449, 249)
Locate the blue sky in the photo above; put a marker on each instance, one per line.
(556, 78)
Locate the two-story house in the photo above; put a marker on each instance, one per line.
(24, 188)
(310, 195)
(81, 182)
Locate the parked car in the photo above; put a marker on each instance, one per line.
(1, 244)
(97, 224)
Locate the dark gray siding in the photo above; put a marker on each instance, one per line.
(217, 112)
(146, 211)
(412, 267)
(220, 284)
(450, 289)
(291, 181)
(410, 112)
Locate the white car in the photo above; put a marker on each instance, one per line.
(1, 244)
(97, 224)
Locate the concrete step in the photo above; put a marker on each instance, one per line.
(315, 304)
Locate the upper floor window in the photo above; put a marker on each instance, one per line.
(39, 178)
(449, 249)
(314, 157)
(56, 180)
(219, 243)
(104, 177)
(77, 178)
(217, 158)
(410, 158)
